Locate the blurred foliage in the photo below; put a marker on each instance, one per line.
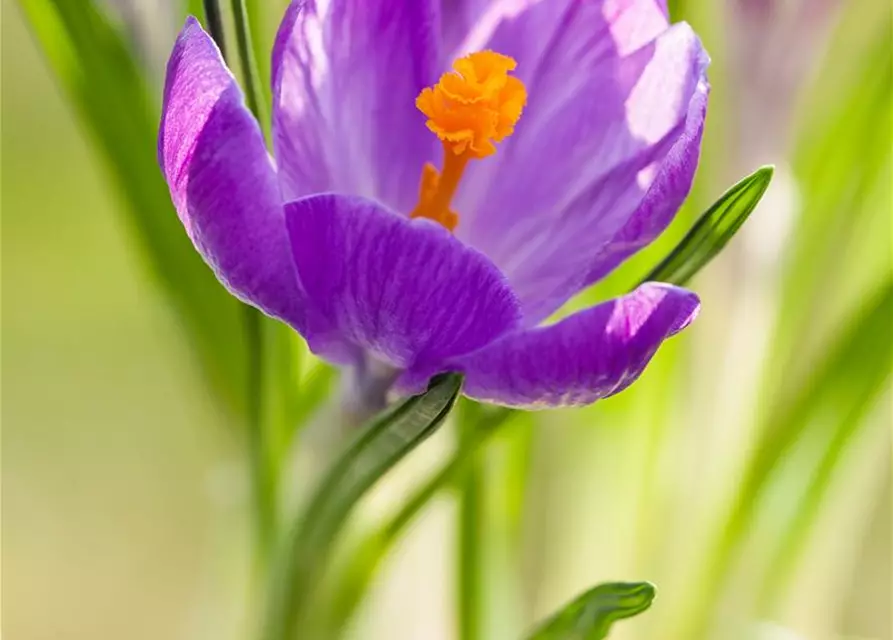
(842, 157)
(105, 83)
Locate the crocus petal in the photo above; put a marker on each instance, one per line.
(615, 113)
(404, 290)
(457, 19)
(222, 183)
(590, 355)
(346, 74)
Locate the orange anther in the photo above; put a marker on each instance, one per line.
(469, 109)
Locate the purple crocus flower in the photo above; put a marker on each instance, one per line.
(416, 220)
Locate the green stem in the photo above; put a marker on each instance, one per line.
(470, 554)
(265, 476)
(264, 481)
(469, 526)
(253, 92)
(215, 24)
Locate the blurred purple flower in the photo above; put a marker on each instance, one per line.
(322, 236)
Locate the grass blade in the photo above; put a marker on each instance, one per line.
(366, 558)
(590, 616)
(379, 447)
(713, 230)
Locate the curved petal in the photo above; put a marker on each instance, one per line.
(590, 355)
(222, 183)
(612, 90)
(671, 182)
(404, 290)
(346, 74)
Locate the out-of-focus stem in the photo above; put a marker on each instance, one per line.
(469, 597)
(263, 476)
(264, 479)
(215, 24)
(253, 93)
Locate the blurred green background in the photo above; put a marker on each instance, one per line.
(747, 474)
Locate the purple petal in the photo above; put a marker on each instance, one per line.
(615, 112)
(590, 355)
(471, 22)
(457, 19)
(405, 290)
(345, 80)
(222, 183)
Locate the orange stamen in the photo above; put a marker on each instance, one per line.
(469, 109)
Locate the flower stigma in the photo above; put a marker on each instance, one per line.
(470, 108)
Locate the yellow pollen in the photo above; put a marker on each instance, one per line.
(469, 109)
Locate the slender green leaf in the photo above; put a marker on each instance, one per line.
(713, 230)
(590, 616)
(380, 445)
(101, 76)
(366, 558)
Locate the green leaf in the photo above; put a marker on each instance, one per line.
(366, 557)
(590, 616)
(380, 445)
(713, 230)
(105, 83)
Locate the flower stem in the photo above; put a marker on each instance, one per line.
(263, 477)
(470, 557)
(253, 93)
(215, 24)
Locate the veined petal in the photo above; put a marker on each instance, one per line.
(615, 112)
(404, 290)
(221, 180)
(346, 74)
(669, 181)
(457, 19)
(593, 354)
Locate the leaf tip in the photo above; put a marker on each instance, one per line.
(765, 172)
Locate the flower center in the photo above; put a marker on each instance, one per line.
(469, 109)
